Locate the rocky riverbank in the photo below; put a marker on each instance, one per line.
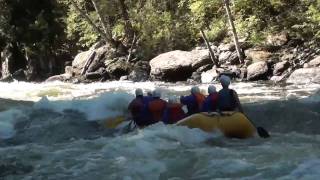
(279, 59)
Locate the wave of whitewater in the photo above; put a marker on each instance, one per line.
(54, 131)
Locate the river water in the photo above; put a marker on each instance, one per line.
(53, 131)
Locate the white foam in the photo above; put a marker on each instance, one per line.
(309, 169)
(104, 106)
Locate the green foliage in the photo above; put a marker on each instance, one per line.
(42, 26)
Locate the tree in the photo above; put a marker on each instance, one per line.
(234, 32)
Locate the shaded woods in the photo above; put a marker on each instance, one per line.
(39, 38)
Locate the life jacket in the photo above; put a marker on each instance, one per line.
(214, 101)
(156, 108)
(211, 103)
(136, 107)
(199, 100)
(174, 113)
(226, 101)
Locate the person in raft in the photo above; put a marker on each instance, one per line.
(228, 98)
(210, 104)
(173, 112)
(136, 106)
(194, 101)
(156, 107)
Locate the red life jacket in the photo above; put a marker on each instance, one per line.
(200, 99)
(156, 108)
(135, 107)
(175, 113)
(214, 100)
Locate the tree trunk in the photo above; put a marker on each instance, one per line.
(234, 32)
(129, 31)
(104, 25)
(101, 33)
(214, 60)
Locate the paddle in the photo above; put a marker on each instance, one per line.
(114, 122)
(260, 130)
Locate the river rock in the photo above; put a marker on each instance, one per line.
(80, 60)
(177, 65)
(305, 76)
(277, 39)
(227, 47)
(228, 56)
(117, 67)
(209, 76)
(140, 72)
(257, 71)
(62, 77)
(257, 55)
(314, 62)
(280, 67)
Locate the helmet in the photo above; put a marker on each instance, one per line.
(195, 89)
(156, 93)
(212, 89)
(172, 99)
(139, 92)
(225, 80)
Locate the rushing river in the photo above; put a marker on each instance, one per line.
(53, 131)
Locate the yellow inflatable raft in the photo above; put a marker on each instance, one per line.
(231, 124)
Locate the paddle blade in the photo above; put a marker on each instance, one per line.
(113, 122)
(262, 132)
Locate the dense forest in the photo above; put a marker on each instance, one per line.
(39, 30)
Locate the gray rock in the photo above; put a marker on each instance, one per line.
(177, 65)
(79, 61)
(140, 72)
(117, 67)
(315, 62)
(209, 76)
(277, 39)
(230, 57)
(305, 76)
(227, 47)
(68, 70)
(280, 67)
(62, 77)
(257, 55)
(276, 78)
(257, 71)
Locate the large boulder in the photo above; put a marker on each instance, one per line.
(229, 56)
(80, 61)
(258, 71)
(305, 76)
(117, 67)
(315, 62)
(209, 76)
(178, 65)
(280, 67)
(257, 55)
(140, 72)
(277, 39)
(97, 58)
(62, 77)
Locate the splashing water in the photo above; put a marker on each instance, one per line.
(52, 131)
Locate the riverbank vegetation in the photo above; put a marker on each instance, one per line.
(38, 30)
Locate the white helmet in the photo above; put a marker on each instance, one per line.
(156, 93)
(139, 92)
(225, 80)
(195, 89)
(212, 89)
